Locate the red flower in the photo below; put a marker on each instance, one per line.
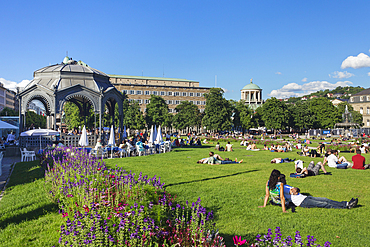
(239, 241)
(64, 214)
(99, 169)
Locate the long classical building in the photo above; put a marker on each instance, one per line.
(361, 103)
(8, 99)
(140, 88)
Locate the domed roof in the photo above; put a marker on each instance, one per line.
(251, 85)
(70, 73)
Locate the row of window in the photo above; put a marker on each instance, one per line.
(361, 98)
(168, 102)
(367, 110)
(162, 93)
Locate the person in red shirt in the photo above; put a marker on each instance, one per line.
(359, 161)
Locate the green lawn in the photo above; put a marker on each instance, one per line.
(232, 191)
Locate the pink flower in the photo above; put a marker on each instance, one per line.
(239, 241)
(65, 214)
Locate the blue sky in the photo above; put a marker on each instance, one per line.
(289, 48)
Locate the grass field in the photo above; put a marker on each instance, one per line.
(232, 191)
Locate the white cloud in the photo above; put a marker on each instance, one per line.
(278, 73)
(304, 79)
(225, 90)
(296, 90)
(368, 73)
(360, 61)
(13, 85)
(341, 75)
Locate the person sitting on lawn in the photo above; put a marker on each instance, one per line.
(359, 161)
(275, 190)
(229, 147)
(335, 162)
(252, 147)
(304, 201)
(306, 150)
(312, 169)
(280, 160)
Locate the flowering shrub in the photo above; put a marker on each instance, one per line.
(110, 207)
(270, 240)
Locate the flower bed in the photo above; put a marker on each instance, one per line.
(113, 207)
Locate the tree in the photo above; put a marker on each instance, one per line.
(243, 115)
(133, 118)
(218, 111)
(275, 114)
(157, 112)
(301, 116)
(188, 115)
(8, 112)
(326, 113)
(356, 116)
(35, 120)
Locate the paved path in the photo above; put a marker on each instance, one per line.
(7, 168)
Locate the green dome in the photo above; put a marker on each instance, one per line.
(65, 60)
(251, 86)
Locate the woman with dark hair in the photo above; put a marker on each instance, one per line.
(275, 189)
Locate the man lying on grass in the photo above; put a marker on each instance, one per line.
(217, 159)
(303, 201)
(311, 170)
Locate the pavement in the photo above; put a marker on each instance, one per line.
(7, 168)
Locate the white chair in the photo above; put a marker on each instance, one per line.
(140, 151)
(2, 146)
(122, 152)
(28, 155)
(129, 149)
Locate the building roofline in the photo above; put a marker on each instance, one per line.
(149, 78)
(142, 85)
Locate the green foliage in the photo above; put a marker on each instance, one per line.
(326, 113)
(218, 111)
(301, 115)
(188, 115)
(356, 116)
(133, 118)
(72, 118)
(8, 112)
(243, 115)
(157, 112)
(35, 120)
(275, 114)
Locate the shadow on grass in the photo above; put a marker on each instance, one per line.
(205, 179)
(32, 215)
(25, 172)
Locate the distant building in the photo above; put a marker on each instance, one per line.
(313, 96)
(304, 98)
(173, 91)
(337, 95)
(361, 103)
(36, 109)
(336, 102)
(8, 99)
(251, 94)
(329, 95)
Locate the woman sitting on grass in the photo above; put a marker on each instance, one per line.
(275, 189)
(215, 159)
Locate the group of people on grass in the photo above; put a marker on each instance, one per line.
(280, 193)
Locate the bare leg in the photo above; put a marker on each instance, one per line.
(342, 159)
(322, 167)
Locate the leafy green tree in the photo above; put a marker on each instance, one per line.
(243, 115)
(275, 114)
(326, 113)
(72, 118)
(218, 111)
(133, 117)
(157, 112)
(301, 115)
(35, 120)
(188, 115)
(356, 116)
(8, 112)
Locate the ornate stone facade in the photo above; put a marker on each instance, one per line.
(361, 103)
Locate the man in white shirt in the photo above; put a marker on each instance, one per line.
(303, 201)
(334, 162)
